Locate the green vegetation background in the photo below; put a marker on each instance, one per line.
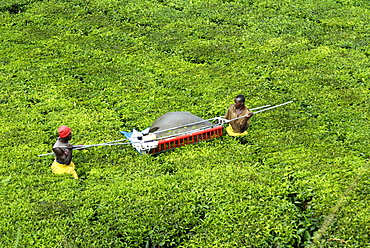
(299, 179)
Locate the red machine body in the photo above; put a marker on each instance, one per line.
(186, 139)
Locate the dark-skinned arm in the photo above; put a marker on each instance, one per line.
(61, 156)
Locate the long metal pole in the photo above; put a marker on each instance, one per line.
(173, 135)
(87, 146)
(198, 122)
(261, 110)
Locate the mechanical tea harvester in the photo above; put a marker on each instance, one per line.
(174, 129)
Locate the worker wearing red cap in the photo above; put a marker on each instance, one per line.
(63, 153)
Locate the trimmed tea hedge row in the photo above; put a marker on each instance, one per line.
(299, 179)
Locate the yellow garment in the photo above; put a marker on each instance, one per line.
(230, 131)
(58, 169)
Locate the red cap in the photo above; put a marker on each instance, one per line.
(64, 131)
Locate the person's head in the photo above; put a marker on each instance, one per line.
(65, 132)
(239, 101)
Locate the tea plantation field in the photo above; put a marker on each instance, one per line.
(300, 178)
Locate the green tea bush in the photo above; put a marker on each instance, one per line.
(298, 179)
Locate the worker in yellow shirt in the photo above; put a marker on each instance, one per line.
(238, 127)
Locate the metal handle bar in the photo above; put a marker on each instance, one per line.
(198, 122)
(75, 147)
(262, 110)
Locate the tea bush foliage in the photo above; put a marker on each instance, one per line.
(300, 178)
